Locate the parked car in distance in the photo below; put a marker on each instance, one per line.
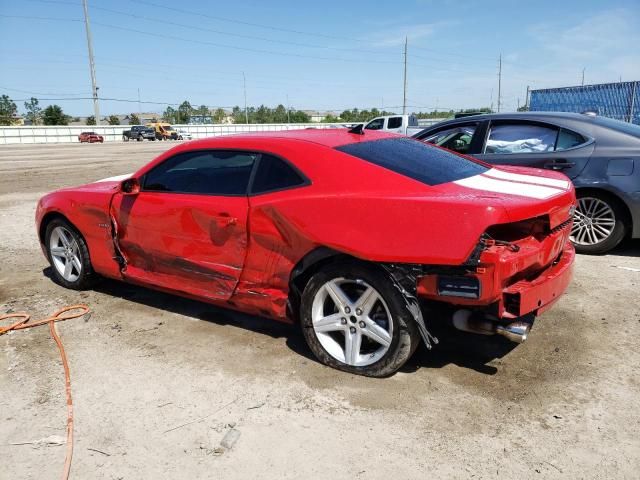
(90, 137)
(403, 124)
(139, 133)
(163, 131)
(184, 135)
(339, 231)
(600, 155)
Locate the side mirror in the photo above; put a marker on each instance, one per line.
(130, 186)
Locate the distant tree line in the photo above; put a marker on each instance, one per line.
(53, 114)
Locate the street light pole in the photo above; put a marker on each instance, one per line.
(404, 91)
(92, 67)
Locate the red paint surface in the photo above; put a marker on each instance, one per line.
(240, 251)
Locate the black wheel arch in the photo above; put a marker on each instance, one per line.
(306, 267)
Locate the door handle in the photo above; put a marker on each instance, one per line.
(559, 164)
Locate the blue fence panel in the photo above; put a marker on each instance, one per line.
(615, 100)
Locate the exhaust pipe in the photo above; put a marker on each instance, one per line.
(515, 331)
(467, 321)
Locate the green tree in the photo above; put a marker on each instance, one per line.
(170, 115)
(34, 112)
(91, 120)
(298, 116)
(331, 119)
(53, 115)
(134, 119)
(113, 120)
(8, 110)
(219, 115)
(184, 112)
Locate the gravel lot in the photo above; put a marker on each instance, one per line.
(563, 405)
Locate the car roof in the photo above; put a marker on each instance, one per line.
(328, 137)
(524, 115)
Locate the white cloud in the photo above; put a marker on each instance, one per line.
(394, 35)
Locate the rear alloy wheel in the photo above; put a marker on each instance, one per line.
(68, 255)
(354, 319)
(598, 224)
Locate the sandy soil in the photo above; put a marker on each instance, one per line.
(158, 380)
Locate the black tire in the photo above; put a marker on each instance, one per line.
(125, 138)
(619, 230)
(139, 139)
(405, 336)
(87, 277)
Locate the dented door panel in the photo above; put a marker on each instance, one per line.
(194, 244)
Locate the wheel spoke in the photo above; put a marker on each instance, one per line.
(76, 263)
(57, 251)
(67, 269)
(330, 323)
(376, 333)
(337, 295)
(63, 237)
(367, 300)
(352, 343)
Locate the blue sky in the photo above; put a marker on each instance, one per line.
(327, 55)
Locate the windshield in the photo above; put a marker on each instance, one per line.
(414, 159)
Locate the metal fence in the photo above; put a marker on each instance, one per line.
(615, 100)
(38, 134)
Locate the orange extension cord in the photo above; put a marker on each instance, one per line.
(59, 316)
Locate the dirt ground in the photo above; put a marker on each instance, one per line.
(158, 380)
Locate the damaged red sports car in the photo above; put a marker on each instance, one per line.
(348, 234)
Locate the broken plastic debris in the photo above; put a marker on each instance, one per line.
(230, 438)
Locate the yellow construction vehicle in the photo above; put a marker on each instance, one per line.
(164, 131)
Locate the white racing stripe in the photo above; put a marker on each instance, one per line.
(482, 182)
(117, 178)
(518, 177)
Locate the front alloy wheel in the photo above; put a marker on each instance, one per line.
(597, 224)
(356, 320)
(68, 255)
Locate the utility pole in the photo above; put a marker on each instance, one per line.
(92, 67)
(246, 112)
(139, 109)
(288, 110)
(499, 80)
(404, 93)
(526, 100)
(583, 76)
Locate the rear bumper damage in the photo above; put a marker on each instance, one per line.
(493, 297)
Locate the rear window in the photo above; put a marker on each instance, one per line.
(414, 159)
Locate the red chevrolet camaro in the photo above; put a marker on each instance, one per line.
(90, 137)
(349, 234)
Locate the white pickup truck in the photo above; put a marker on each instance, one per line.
(404, 124)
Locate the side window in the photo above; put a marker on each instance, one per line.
(274, 174)
(203, 172)
(457, 139)
(520, 138)
(394, 122)
(568, 139)
(375, 124)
